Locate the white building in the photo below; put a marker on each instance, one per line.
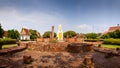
(24, 34)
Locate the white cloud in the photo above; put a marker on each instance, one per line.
(13, 18)
(85, 28)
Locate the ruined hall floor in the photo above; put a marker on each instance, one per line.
(57, 60)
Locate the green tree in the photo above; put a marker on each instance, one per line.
(1, 31)
(91, 35)
(105, 36)
(70, 34)
(14, 34)
(111, 34)
(48, 33)
(115, 34)
(33, 34)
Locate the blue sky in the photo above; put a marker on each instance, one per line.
(82, 16)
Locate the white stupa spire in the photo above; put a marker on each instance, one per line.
(60, 33)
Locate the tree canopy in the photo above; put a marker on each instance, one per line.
(70, 34)
(91, 35)
(33, 34)
(14, 34)
(1, 31)
(48, 33)
(115, 34)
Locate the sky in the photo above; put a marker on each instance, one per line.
(81, 16)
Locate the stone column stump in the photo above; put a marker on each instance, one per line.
(27, 59)
(88, 62)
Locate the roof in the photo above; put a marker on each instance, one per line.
(105, 32)
(111, 29)
(25, 31)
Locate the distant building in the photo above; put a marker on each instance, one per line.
(24, 34)
(112, 29)
(5, 34)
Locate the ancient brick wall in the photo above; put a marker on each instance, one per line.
(74, 40)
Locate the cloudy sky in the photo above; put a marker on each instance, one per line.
(82, 16)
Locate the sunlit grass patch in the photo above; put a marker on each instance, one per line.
(9, 45)
(110, 46)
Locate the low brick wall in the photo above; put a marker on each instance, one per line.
(107, 51)
(79, 47)
(53, 47)
(60, 47)
(73, 40)
(43, 39)
(65, 39)
(12, 50)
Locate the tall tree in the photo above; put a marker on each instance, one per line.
(105, 36)
(33, 34)
(91, 35)
(115, 34)
(48, 33)
(69, 34)
(1, 31)
(14, 34)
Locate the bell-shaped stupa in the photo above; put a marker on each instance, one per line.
(60, 33)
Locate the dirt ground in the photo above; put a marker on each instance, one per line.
(57, 60)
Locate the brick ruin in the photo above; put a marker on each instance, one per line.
(60, 47)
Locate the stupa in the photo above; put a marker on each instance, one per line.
(60, 33)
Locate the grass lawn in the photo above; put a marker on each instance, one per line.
(110, 46)
(9, 45)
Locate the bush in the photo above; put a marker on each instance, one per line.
(112, 41)
(7, 41)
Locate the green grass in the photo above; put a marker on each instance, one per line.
(9, 45)
(110, 46)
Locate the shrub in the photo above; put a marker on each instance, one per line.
(7, 41)
(112, 41)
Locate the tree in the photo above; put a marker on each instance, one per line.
(33, 34)
(1, 31)
(115, 34)
(70, 34)
(111, 34)
(48, 33)
(106, 36)
(91, 35)
(14, 34)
